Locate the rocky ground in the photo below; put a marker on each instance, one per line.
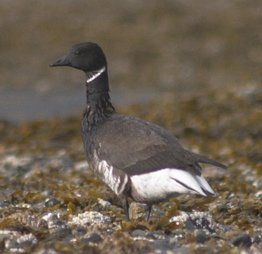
(51, 203)
(194, 67)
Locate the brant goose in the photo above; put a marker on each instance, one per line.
(135, 158)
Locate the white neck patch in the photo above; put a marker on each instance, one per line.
(94, 74)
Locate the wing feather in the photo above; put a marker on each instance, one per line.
(137, 147)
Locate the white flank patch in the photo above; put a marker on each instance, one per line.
(162, 183)
(106, 173)
(94, 74)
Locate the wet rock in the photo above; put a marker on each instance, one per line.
(196, 220)
(203, 220)
(257, 236)
(93, 238)
(63, 234)
(17, 242)
(189, 224)
(201, 236)
(242, 240)
(259, 194)
(103, 203)
(138, 233)
(79, 231)
(55, 224)
(6, 196)
(137, 211)
(81, 165)
(177, 235)
(5, 203)
(15, 166)
(52, 201)
(89, 217)
(180, 219)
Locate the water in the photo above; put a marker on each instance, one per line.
(27, 104)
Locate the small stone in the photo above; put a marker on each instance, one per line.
(89, 217)
(18, 243)
(201, 236)
(259, 194)
(49, 202)
(103, 202)
(54, 223)
(79, 231)
(94, 238)
(177, 236)
(243, 240)
(138, 233)
(63, 233)
(189, 225)
(15, 166)
(197, 220)
(182, 217)
(137, 211)
(257, 237)
(5, 203)
(81, 165)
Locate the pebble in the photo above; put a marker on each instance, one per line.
(137, 211)
(103, 203)
(259, 194)
(79, 231)
(89, 217)
(196, 220)
(94, 238)
(18, 243)
(15, 166)
(201, 236)
(138, 233)
(54, 223)
(242, 240)
(49, 202)
(257, 237)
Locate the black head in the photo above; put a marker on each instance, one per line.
(86, 56)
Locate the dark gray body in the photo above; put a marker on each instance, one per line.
(134, 147)
(138, 146)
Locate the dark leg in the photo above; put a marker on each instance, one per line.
(125, 205)
(148, 211)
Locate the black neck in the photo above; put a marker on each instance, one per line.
(98, 101)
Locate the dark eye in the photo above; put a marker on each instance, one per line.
(77, 52)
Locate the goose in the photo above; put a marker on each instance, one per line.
(136, 159)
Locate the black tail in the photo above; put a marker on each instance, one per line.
(204, 159)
